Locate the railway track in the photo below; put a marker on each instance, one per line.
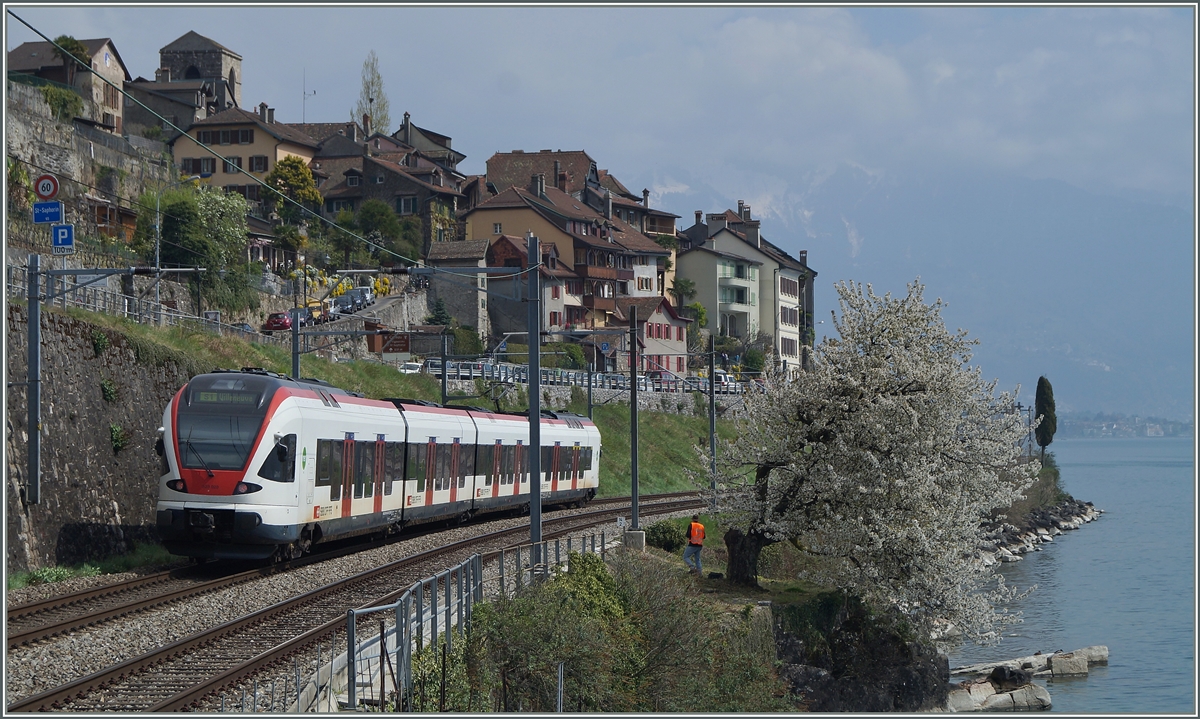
(179, 675)
(28, 623)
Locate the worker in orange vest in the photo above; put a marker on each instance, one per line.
(695, 537)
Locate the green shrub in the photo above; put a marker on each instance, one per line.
(666, 535)
(109, 389)
(100, 341)
(50, 575)
(64, 104)
(119, 437)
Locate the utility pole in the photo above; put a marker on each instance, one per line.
(712, 415)
(34, 479)
(445, 371)
(295, 327)
(633, 413)
(535, 398)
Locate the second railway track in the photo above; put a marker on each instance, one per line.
(193, 661)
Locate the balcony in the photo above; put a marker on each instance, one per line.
(591, 272)
(732, 281)
(603, 304)
(624, 274)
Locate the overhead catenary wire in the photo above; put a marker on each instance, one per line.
(272, 192)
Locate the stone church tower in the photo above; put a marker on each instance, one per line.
(195, 57)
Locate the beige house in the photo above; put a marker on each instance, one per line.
(749, 285)
(247, 141)
(105, 101)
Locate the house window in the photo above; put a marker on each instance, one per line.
(787, 346)
(225, 137)
(789, 287)
(352, 180)
(232, 165)
(645, 283)
(623, 288)
(339, 205)
(204, 137)
(379, 179)
(679, 365)
(556, 319)
(575, 287)
(111, 96)
(789, 316)
(245, 137)
(199, 165)
(406, 205)
(441, 234)
(679, 332)
(497, 229)
(258, 163)
(555, 292)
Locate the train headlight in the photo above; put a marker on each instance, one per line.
(246, 488)
(177, 485)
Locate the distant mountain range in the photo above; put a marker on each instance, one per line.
(1095, 292)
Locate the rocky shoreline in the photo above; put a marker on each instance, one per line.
(1006, 543)
(1008, 685)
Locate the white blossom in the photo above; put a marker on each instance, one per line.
(883, 461)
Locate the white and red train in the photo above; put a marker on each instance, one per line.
(256, 464)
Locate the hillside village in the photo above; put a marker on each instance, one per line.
(605, 252)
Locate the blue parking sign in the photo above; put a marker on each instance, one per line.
(47, 212)
(603, 346)
(63, 239)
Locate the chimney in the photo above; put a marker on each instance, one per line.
(608, 204)
(407, 130)
(645, 197)
(804, 257)
(558, 176)
(352, 132)
(366, 125)
(716, 223)
(741, 209)
(745, 212)
(162, 74)
(262, 111)
(270, 116)
(752, 235)
(699, 217)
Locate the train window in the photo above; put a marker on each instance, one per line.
(443, 467)
(322, 462)
(506, 463)
(364, 465)
(418, 455)
(483, 461)
(280, 471)
(466, 463)
(393, 466)
(335, 469)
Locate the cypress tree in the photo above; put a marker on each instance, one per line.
(1044, 408)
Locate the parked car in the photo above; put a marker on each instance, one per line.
(343, 305)
(410, 368)
(434, 367)
(695, 384)
(244, 327)
(359, 297)
(277, 321)
(368, 294)
(318, 311)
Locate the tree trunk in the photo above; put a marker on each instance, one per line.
(744, 549)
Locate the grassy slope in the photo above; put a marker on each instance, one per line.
(666, 443)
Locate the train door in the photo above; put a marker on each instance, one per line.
(430, 471)
(453, 470)
(575, 467)
(348, 474)
(378, 474)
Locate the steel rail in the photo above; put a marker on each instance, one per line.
(55, 698)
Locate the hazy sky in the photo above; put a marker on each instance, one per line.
(706, 106)
(1100, 98)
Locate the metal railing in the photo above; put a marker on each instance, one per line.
(96, 298)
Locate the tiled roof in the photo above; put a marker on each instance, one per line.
(401, 170)
(33, 56)
(238, 116)
(646, 306)
(321, 131)
(339, 146)
(192, 41)
(718, 253)
(461, 250)
(612, 183)
(508, 169)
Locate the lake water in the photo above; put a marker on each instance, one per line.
(1126, 580)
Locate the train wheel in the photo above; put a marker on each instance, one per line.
(465, 517)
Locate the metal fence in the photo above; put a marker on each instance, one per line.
(96, 298)
(375, 673)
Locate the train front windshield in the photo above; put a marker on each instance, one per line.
(218, 419)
